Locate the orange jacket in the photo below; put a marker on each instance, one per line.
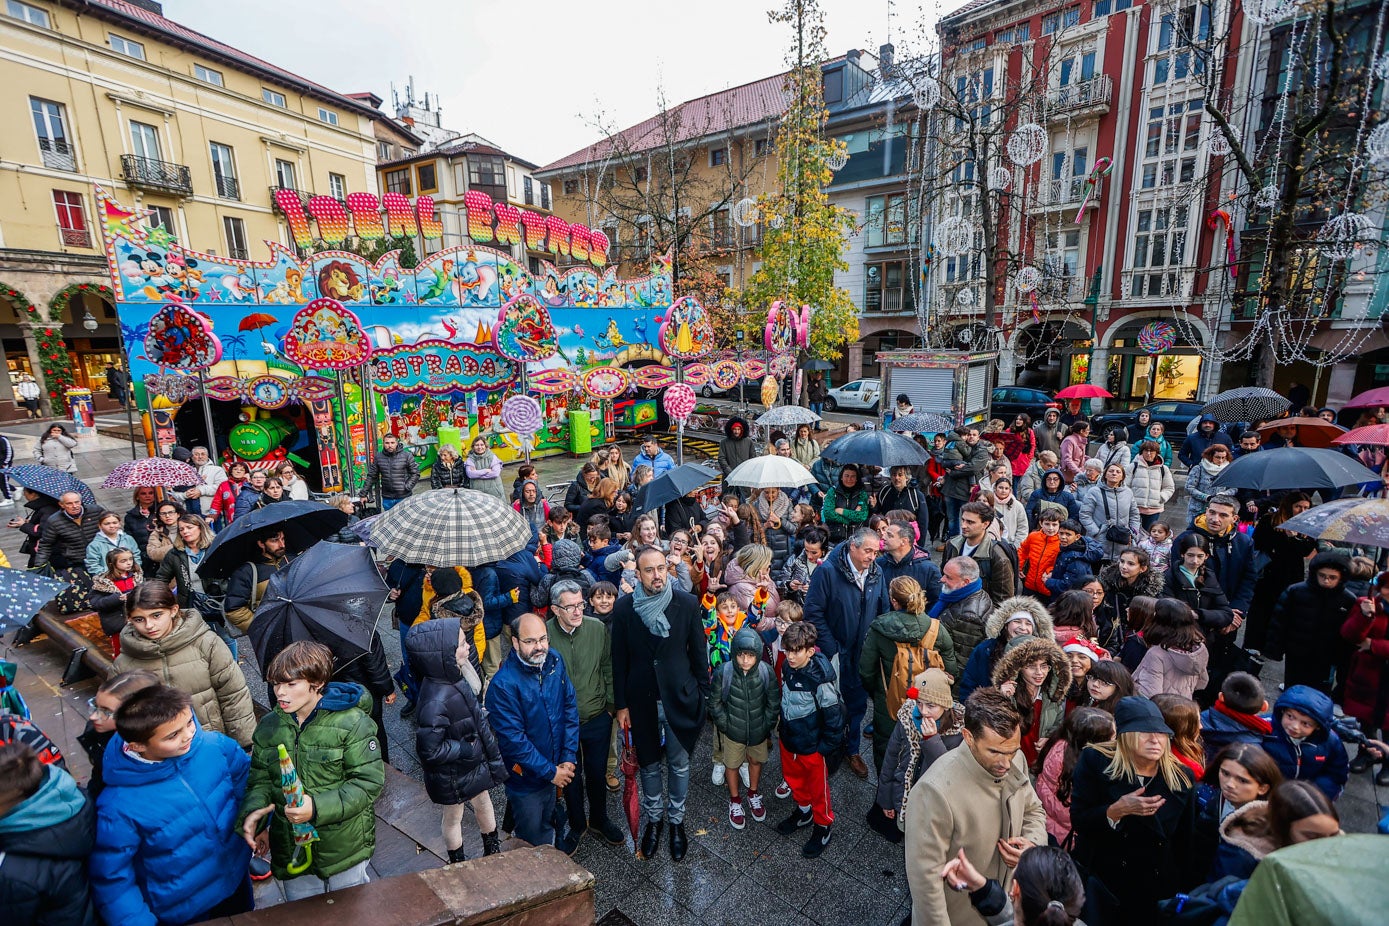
(1036, 557)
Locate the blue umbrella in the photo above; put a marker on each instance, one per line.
(23, 594)
(303, 522)
(46, 480)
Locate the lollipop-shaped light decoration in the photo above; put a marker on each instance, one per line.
(679, 401)
(521, 413)
(1157, 337)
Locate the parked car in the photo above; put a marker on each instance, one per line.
(747, 390)
(1010, 401)
(1174, 416)
(859, 395)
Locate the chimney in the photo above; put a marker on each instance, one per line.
(853, 56)
(149, 6)
(885, 59)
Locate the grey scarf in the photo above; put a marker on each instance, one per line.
(652, 608)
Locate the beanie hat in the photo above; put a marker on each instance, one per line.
(1136, 714)
(1085, 648)
(933, 686)
(446, 582)
(1023, 616)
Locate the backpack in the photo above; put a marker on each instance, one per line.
(907, 662)
(986, 566)
(764, 672)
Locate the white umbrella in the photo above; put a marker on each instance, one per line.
(787, 415)
(770, 472)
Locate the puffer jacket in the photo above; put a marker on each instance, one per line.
(189, 848)
(916, 564)
(566, 562)
(1112, 617)
(812, 713)
(457, 749)
(1025, 650)
(805, 452)
(396, 473)
(1245, 838)
(1206, 598)
(1152, 485)
(1122, 512)
(965, 620)
(1170, 671)
(1320, 758)
(193, 659)
(57, 452)
(782, 542)
(1061, 497)
(45, 842)
(1037, 557)
(1306, 625)
(1079, 559)
(106, 601)
(978, 671)
(64, 537)
(339, 763)
(535, 715)
(1200, 486)
(448, 477)
(880, 650)
(748, 713)
(101, 545)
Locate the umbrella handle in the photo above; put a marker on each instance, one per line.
(298, 868)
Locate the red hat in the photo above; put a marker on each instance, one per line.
(1081, 645)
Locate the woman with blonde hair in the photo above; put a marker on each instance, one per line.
(600, 501)
(447, 471)
(749, 579)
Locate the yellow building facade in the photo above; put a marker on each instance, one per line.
(111, 92)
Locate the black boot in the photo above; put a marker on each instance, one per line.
(798, 819)
(1362, 762)
(491, 843)
(819, 839)
(457, 855)
(651, 839)
(679, 842)
(1382, 779)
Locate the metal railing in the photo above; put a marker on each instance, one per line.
(58, 154)
(1167, 283)
(227, 187)
(159, 175)
(1094, 92)
(1062, 192)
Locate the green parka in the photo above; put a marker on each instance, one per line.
(339, 763)
(750, 711)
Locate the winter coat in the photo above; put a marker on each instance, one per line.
(748, 713)
(782, 542)
(101, 545)
(1074, 453)
(916, 564)
(840, 610)
(245, 589)
(224, 501)
(1122, 511)
(41, 509)
(1037, 557)
(660, 464)
(1152, 484)
(57, 452)
(1200, 486)
(458, 752)
(138, 525)
(395, 473)
(1198, 441)
(63, 537)
(1321, 757)
(965, 619)
(1367, 684)
(682, 682)
(909, 499)
(1118, 453)
(247, 500)
(1143, 859)
(1053, 692)
(160, 542)
(1031, 481)
(168, 838)
(854, 513)
(978, 670)
(1048, 785)
(1081, 558)
(448, 477)
(1245, 838)
(1062, 497)
(566, 562)
(995, 566)
(535, 715)
(194, 660)
(105, 599)
(1170, 671)
(177, 570)
(958, 805)
(1206, 598)
(805, 452)
(577, 494)
(1221, 728)
(520, 571)
(1112, 617)
(1232, 555)
(900, 769)
(1049, 437)
(963, 467)
(539, 513)
(44, 844)
(587, 657)
(1306, 625)
(880, 650)
(735, 450)
(812, 712)
(339, 764)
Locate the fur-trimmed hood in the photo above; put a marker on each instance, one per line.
(1025, 650)
(1250, 829)
(1149, 583)
(1042, 624)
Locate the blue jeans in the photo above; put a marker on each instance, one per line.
(855, 700)
(952, 516)
(388, 503)
(533, 813)
(677, 778)
(817, 407)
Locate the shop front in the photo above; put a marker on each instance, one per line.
(1137, 375)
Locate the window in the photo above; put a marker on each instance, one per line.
(284, 175)
(327, 115)
(544, 196)
(337, 186)
(51, 128)
(1019, 33)
(528, 190)
(1061, 264)
(207, 75)
(224, 171)
(30, 14)
(721, 229)
(834, 85)
(571, 188)
(398, 181)
(144, 141)
(1159, 247)
(235, 230)
(127, 47)
(383, 151)
(486, 171)
(1171, 146)
(761, 147)
(1068, 172)
(72, 223)
(162, 217)
(1105, 7)
(639, 174)
(718, 156)
(642, 241)
(1076, 68)
(975, 88)
(886, 220)
(427, 174)
(885, 287)
(1062, 20)
(273, 97)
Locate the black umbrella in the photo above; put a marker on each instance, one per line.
(677, 483)
(815, 363)
(304, 523)
(332, 594)
(875, 448)
(1294, 468)
(1247, 403)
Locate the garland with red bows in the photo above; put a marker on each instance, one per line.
(52, 348)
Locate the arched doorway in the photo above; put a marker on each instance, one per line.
(1137, 377)
(1046, 354)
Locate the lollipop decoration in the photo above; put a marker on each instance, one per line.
(679, 402)
(1157, 337)
(182, 339)
(1102, 168)
(522, 414)
(1215, 220)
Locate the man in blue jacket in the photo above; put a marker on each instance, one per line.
(846, 593)
(535, 716)
(653, 456)
(1207, 432)
(1231, 551)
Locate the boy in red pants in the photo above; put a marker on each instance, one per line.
(812, 727)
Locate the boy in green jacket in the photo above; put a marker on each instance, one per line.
(745, 702)
(327, 730)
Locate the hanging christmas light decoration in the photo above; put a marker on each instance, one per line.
(1267, 197)
(1219, 143)
(1028, 279)
(1027, 145)
(1000, 178)
(1377, 145)
(1343, 235)
(953, 236)
(1266, 12)
(965, 297)
(837, 161)
(745, 213)
(927, 95)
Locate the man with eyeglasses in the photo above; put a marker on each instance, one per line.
(586, 649)
(536, 720)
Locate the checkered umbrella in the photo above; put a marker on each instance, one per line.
(151, 471)
(787, 416)
(1246, 403)
(451, 527)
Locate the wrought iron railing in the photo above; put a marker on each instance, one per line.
(160, 175)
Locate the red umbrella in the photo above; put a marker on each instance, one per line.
(1311, 432)
(1374, 434)
(629, 769)
(1373, 398)
(1084, 391)
(256, 320)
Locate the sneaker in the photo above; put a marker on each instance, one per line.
(735, 815)
(798, 819)
(819, 839)
(720, 773)
(759, 813)
(259, 868)
(743, 775)
(783, 791)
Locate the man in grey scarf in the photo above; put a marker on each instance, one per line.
(660, 664)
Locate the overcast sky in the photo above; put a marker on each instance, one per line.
(535, 76)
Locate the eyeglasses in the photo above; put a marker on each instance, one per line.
(568, 608)
(100, 712)
(533, 641)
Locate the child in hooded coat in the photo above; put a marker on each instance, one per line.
(929, 724)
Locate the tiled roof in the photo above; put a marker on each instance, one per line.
(970, 7)
(153, 23)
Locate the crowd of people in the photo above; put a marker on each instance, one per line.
(1030, 651)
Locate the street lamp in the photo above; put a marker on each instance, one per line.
(88, 321)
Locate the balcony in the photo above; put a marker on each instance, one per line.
(58, 154)
(1063, 194)
(147, 173)
(1081, 100)
(1167, 284)
(227, 187)
(889, 301)
(76, 237)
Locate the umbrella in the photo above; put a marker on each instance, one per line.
(331, 594)
(1358, 521)
(363, 529)
(1372, 398)
(770, 472)
(1373, 435)
(1294, 468)
(22, 594)
(1324, 882)
(1085, 391)
(304, 833)
(451, 527)
(304, 523)
(1247, 403)
(54, 483)
(787, 416)
(1311, 432)
(256, 321)
(817, 364)
(673, 484)
(875, 448)
(630, 768)
(922, 423)
(151, 471)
